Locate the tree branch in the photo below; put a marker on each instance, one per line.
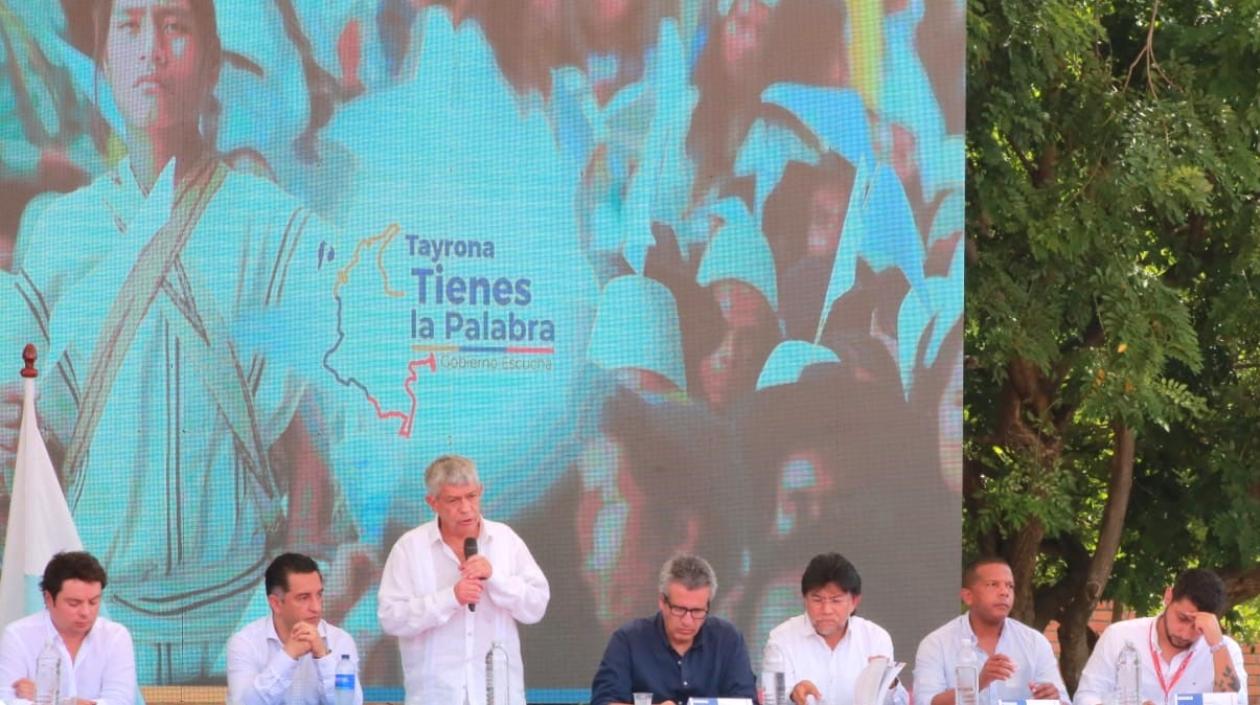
(1030, 169)
(1112, 528)
(1147, 52)
(1241, 584)
(1052, 600)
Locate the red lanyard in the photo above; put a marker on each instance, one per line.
(1159, 668)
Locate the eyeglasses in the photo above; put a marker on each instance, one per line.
(697, 613)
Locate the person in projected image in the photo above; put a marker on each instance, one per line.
(182, 307)
(794, 512)
(941, 58)
(614, 39)
(853, 462)
(861, 327)
(806, 240)
(683, 652)
(529, 40)
(738, 280)
(647, 473)
(729, 371)
(48, 146)
(817, 35)
(730, 75)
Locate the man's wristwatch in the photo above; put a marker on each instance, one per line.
(1219, 645)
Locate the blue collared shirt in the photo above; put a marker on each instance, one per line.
(640, 659)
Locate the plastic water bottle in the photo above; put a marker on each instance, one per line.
(497, 689)
(48, 675)
(772, 678)
(1128, 676)
(967, 674)
(343, 688)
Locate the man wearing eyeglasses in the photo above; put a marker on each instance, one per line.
(680, 653)
(824, 650)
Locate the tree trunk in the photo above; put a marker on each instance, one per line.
(1074, 643)
(1240, 585)
(1074, 635)
(1022, 556)
(1112, 528)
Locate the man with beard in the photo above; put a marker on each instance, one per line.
(1016, 662)
(1180, 651)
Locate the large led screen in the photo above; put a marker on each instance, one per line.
(678, 275)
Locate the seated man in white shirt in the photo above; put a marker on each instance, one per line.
(1180, 651)
(98, 661)
(1016, 661)
(290, 656)
(825, 649)
(454, 586)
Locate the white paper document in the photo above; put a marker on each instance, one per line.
(874, 681)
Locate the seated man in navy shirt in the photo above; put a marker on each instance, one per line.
(680, 653)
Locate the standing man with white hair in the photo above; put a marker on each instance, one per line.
(682, 652)
(455, 585)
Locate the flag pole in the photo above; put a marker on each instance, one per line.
(40, 523)
(29, 355)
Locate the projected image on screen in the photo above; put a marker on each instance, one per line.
(678, 276)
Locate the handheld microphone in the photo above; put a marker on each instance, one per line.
(470, 550)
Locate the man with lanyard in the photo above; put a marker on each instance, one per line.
(1180, 651)
(1016, 661)
(825, 650)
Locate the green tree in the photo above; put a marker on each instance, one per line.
(1113, 300)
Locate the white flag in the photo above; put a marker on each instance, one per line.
(39, 520)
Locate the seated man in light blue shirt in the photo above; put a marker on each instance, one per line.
(1015, 660)
(290, 657)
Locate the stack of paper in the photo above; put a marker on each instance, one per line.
(875, 680)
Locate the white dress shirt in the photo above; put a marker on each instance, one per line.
(1098, 680)
(833, 671)
(104, 670)
(443, 644)
(1026, 647)
(259, 672)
